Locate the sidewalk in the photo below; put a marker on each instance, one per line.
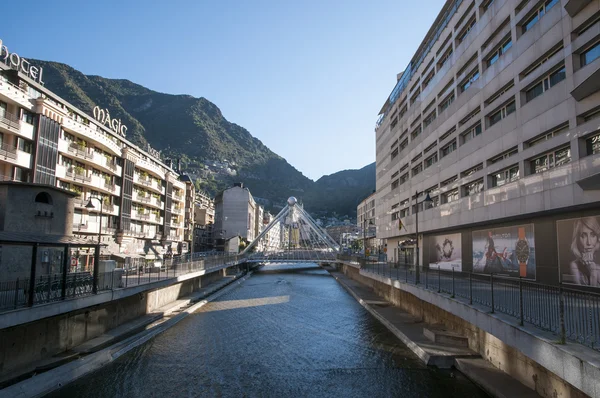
(139, 325)
(448, 349)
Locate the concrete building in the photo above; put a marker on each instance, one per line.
(141, 203)
(235, 214)
(204, 219)
(496, 118)
(365, 221)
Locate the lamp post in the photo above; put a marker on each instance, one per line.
(426, 200)
(90, 205)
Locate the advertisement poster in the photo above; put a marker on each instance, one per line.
(508, 251)
(445, 252)
(579, 250)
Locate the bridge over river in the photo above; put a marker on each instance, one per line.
(290, 330)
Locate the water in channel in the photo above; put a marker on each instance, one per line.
(288, 331)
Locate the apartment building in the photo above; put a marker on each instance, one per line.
(492, 135)
(204, 219)
(235, 214)
(366, 222)
(126, 196)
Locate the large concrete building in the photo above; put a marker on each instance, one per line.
(235, 214)
(496, 119)
(46, 140)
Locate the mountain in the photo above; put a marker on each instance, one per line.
(212, 150)
(341, 192)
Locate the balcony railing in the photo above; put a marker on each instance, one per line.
(143, 216)
(75, 175)
(8, 151)
(10, 121)
(80, 150)
(110, 187)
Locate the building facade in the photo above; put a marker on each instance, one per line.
(496, 118)
(366, 222)
(139, 203)
(204, 219)
(235, 214)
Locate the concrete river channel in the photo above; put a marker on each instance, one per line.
(287, 331)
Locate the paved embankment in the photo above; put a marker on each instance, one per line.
(104, 349)
(410, 330)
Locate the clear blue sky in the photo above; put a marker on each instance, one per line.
(306, 77)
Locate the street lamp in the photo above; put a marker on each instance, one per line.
(426, 200)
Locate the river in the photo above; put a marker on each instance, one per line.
(287, 331)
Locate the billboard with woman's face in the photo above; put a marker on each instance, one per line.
(508, 251)
(579, 250)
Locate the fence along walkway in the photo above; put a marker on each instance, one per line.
(56, 287)
(571, 314)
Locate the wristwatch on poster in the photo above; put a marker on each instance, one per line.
(522, 252)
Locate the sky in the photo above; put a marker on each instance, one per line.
(307, 78)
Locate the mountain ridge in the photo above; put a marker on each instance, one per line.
(194, 130)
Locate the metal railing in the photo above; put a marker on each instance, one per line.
(8, 151)
(10, 121)
(16, 294)
(569, 313)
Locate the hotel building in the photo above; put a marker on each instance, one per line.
(46, 140)
(496, 119)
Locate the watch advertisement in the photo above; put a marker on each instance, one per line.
(508, 251)
(579, 251)
(445, 252)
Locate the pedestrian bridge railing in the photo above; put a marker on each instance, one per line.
(48, 288)
(571, 314)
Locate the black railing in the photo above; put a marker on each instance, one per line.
(55, 287)
(569, 313)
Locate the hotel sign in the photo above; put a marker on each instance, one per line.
(21, 64)
(103, 116)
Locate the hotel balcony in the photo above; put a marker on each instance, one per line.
(141, 198)
(90, 132)
(106, 208)
(178, 197)
(176, 210)
(148, 183)
(9, 122)
(136, 215)
(106, 164)
(77, 175)
(151, 167)
(80, 151)
(16, 94)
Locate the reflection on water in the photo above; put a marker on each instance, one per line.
(276, 335)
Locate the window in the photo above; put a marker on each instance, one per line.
(415, 133)
(548, 81)
(501, 113)
(538, 13)
(473, 187)
(394, 122)
(395, 215)
(404, 212)
(428, 79)
(395, 184)
(444, 58)
(471, 133)
(21, 174)
(413, 160)
(446, 102)
(589, 55)
(505, 176)
(549, 134)
(450, 196)
(416, 170)
(593, 144)
(501, 49)
(404, 144)
(469, 80)
(430, 147)
(413, 99)
(403, 178)
(24, 145)
(447, 134)
(499, 93)
(550, 160)
(394, 153)
(430, 161)
(542, 60)
(467, 29)
(470, 116)
(486, 5)
(504, 155)
(448, 181)
(472, 170)
(395, 175)
(394, 144)
(448, 149)
(429, 119)
(27, 117)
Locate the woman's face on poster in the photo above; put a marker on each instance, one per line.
(588, 239)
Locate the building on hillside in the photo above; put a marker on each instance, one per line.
(496, 121)
(235, 215)
(365, 221)
(204, 218)
(138, 201)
